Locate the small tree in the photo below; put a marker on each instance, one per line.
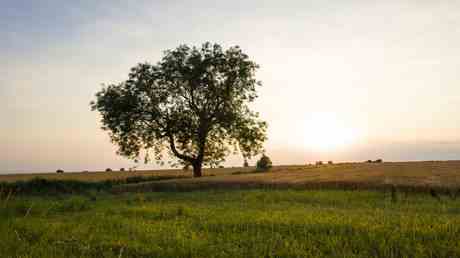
(122, 169)
(330, 162)
(264, 163)
(192, 105)
(108, 170)
(245, 164)
(59, 171)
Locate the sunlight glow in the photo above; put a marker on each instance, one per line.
(325, 132)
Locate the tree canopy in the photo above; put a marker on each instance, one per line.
(192, 105)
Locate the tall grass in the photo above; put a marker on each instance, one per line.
(239, 223)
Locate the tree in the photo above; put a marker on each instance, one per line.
(192, 105)
(264, 163)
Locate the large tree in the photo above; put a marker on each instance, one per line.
(192, 105)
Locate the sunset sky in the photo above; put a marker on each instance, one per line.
(344, 80)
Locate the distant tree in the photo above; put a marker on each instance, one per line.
(319, 163)
(122, 169)
(59, 171)
(245, 164)
(330, 162)
(108, 170)
(378, 161)
(369, 161)
(193, 104)
(220, 166)
(264, 163)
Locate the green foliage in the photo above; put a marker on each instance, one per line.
(254, 223)
(193, 104)
(264, 163)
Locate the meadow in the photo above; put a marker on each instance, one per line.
(241, 223)
(292, 211)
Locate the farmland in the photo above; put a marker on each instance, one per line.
(292, 211)
(445, 174)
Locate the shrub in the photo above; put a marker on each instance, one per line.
(264, 163)
(369, 161)
(319, 163)
(245, 164)
(122, 169)
(108, 170)
(378, 161)
(221, 166)
(330, 162)
(59, 171)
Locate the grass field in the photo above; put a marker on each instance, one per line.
(245, 223)
(412, 176)
(292, 211)
(428, 173)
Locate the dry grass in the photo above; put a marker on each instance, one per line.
(413, 175)
(427, 174)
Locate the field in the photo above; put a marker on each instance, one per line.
(344, 210)
(412, 176)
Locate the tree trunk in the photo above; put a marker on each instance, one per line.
(197, 169)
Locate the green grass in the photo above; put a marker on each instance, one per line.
(231, 223)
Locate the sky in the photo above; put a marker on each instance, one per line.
(345, 80)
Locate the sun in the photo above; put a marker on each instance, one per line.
(327, 132)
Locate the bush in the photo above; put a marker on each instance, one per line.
(108, 170)
(378, 161)
(369, 161)
(122, 169)
(319, 163)
(59, 171)
(264, 163)
(221, 166)
(245, 164)
(330, 162)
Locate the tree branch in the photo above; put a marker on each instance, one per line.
(172, 145)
